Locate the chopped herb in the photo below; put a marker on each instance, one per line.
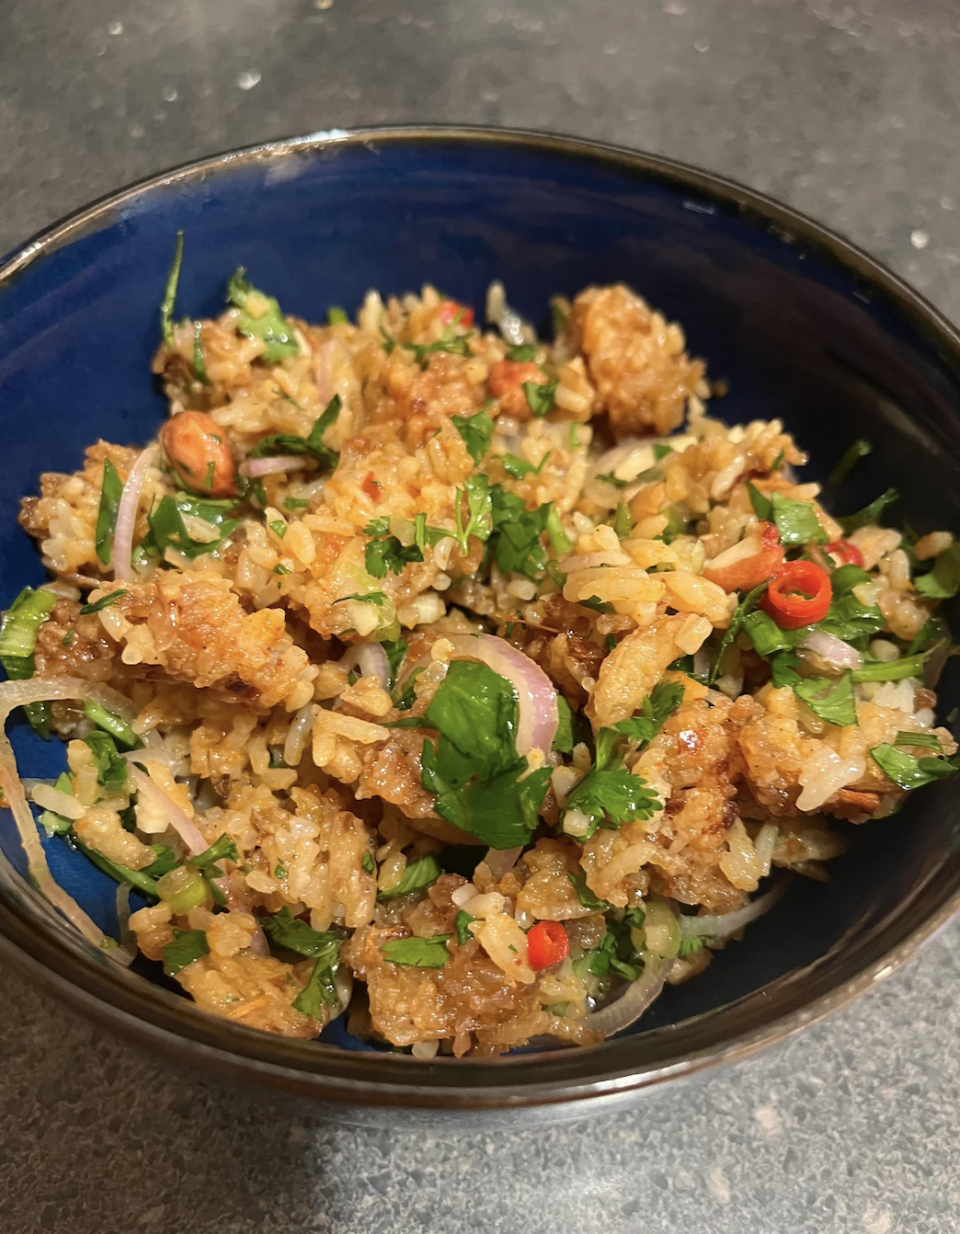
(417, 875)
(869, 514)
(365, 597)
(477, 433)
(518, 468)
(111, 766)
(585, 895)
(278, 527)
(199, 363)
(778, 461)
(187, 946)
(311, 445)
(285, 930)
(110, 494)
(943, 581)
(418, 952)
(368, 865)
(474, 768)
(388, 343)
(564, 742)
(224, 848)
(766, 636)
(261, 318)
(377, 527)
(409, 696)
(743, 610)
(276, 760)
(796, 521)
(102, 603)
(387, 554)
(595, 603)
(525, 353)
(68, 638)
(677, 525)
(280, 568)
(559, 315)
(517, 531)
(168, 530)
(661, 450)
(829, 699)
(690, 946)
(18, 642)
(540, 397)
(851, 456)
(891, 670)
(846, 578)
(609, 478)
(280, 870)
(450, 341)
(909, 772)
(933, 630)
(139, 879)
(925, 741)
(395, 650)
(462, 925)
(337, 316)
(170, 292)
(424, 535)
(783, 668)
(296, 503)
(849, 620)
(111, 724)
(622, 521)
(320, 992)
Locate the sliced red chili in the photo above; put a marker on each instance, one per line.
(845, 553)
(450, 311)
(799, 595)
(749, 572)
(371, 486)
(547, 944)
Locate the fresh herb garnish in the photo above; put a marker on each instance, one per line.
(408, 695)
(418, 952)
(925, 741)
(365, 597)
(295, 503)
(622, 521)
(387, 554)
(104, 602)
(477, 433)
(224, 848)
(661, 450)
(111, 724)
(564, 740)
(475, 769)
(110, 494)
(743, 610)
(462, 925)
(796, 521)
(18, 642)
(424, 536)
(909, 772)
(168, 530)
(596, 604)
(110, 764)
(851, 456)
(170, 293)
(524, 353)
(261, 318)
(892, 670)
(285, 930)
(540, 397)
(199, 363)
(312, 445)
(395, 649)
(608, 477)
(518, 468)
(585, 895)
(367, 863)
(830, 699)
(337, 316)
(450, 341)
(943, 581)
(187, 946)
(417, 875)
(142, 880)
(869, 514)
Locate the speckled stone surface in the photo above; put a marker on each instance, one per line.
(847, 110)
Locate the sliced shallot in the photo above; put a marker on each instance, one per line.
(255, 467)
(371, 660)
(539, 714)
(633, 1002)
(832, 650)
(122, 556)
(723, 925)
(179, 820)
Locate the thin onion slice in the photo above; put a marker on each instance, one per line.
(272, 466)
(633, 1002)
(832, 650)
(16, 694)
(539, 713)
(725, 924)
(127, 951)
(179, 820)
(122, 556)
(371, 660)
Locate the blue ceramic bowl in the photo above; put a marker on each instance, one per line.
(802, 326)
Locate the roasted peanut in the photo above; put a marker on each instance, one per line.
(199, 454)
(506, 380)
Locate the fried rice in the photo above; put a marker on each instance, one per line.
(465, 685)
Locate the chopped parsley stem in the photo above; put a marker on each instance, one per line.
(170, 293)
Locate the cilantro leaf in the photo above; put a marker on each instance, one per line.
(187, 946)
(796, 521)
(892, 670)
(869, 514)
(168, 530)
(320, 991)
(831, 700)
(418, 952)
(112, 724)
(523, 353)
(450, 341)
(312, 445)
(365, 597)
(849, 620)
(920, 740)
(943, 581)
(261, 318)
(564, 742)
(111, 766)
(110, 494)
(622, 521)
(477, 433)
(417, 875)
(844, 579)
(104, 602)
(661, 450)
(387, 555)
(585, 895)
(395, 649)
(140, 879)
(743, 610)
(461, 925)
(368, 865)
(539, 396)
(517, 546)
(224, 848)
(424, 535)
(766, 636)
(909, 772)
(475, 769)
(285, 930)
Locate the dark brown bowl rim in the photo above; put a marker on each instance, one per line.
(32, 934)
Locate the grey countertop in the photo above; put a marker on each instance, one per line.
(847, 109)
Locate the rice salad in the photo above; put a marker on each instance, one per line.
(467, 686)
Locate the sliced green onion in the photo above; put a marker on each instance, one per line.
(111, 724)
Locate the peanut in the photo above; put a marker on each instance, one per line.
(199, 455)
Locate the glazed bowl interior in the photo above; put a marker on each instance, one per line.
(799, 325)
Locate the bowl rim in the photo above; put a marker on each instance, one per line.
(34, 936)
